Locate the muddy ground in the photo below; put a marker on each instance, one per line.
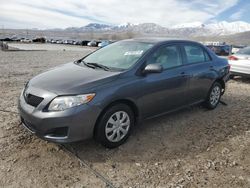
(190, 148)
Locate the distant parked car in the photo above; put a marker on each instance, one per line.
(240, 63)
(39, 39)
(92, 43)
(103, 43)
(59, 42)
(77, 42)
(53, 41)
(236, 48)
(104, 94)
(65, 42)
(85, 42)
(48, 40)
(222, 50)
(26, 40)
(68, 41)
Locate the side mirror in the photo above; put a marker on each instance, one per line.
(152, 68)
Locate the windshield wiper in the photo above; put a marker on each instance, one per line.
(94, 65)
(87, 64)
(79, 60)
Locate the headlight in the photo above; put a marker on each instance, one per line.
(65, 102)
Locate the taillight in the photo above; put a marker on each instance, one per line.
(232, 58)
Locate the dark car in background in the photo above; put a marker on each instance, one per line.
(93, 43)
(85, 42)
(104, 94)
(220, 50)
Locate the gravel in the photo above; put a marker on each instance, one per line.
(189, 148)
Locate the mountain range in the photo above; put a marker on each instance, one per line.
(186, 29)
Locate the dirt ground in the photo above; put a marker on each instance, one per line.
(190, 148)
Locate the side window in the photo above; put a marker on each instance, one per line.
(195, 54)
(207, 57)
(167, 56)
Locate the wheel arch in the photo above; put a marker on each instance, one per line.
(128, 102)
(222, 83)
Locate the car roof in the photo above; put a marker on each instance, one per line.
(160, 40)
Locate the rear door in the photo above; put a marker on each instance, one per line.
(200, 68)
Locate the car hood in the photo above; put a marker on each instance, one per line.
(72, 79)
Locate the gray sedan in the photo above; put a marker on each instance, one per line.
(105, 94)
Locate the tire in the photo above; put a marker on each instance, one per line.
(214, 95)
(108, 128)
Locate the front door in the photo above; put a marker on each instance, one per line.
(165, 91)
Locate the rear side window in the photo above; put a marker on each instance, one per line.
(167, 56)
(196, 54)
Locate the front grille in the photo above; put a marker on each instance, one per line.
(33, 100)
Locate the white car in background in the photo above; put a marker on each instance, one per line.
(240, 63)
(26, 40)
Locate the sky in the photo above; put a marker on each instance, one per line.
(47, 14)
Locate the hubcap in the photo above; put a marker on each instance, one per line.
(215, 95)
(117, 126)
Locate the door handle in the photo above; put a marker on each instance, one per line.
(211, 67)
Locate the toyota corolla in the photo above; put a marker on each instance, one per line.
(104, 94)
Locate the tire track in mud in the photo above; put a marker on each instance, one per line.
(73, 153)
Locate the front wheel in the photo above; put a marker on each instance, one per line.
(214, 96)
(114, 126)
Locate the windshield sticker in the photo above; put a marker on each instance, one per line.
(138, 52)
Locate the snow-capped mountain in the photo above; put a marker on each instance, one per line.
(189, 25)
(185, 29)
(229, 27)
(91, 27)
(126, 25)
(219, 28)
(148, 28)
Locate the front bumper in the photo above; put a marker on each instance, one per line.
(71, 125)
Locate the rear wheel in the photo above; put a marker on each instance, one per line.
(214, 96)
(114, 126)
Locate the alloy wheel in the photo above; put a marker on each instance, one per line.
(215, 95)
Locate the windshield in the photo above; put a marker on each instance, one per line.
(120, 55)
(245, 51)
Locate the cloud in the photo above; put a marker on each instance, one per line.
(70, 13)
(237, 15)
